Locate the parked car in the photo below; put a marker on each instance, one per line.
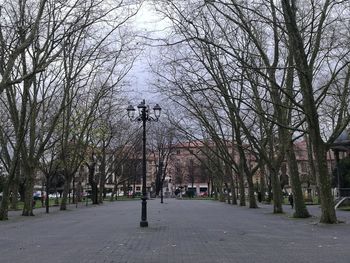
(54, 195)
(37, 195)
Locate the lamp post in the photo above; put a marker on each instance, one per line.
(144, 116)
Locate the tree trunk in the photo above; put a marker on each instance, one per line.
(94, 193)
(262, 183)
(15, 189)
(328, 215)
(161, 191)
(222, 197)
(47, 203)
(4, 201)
(228, 193)
(102, 179)
(227, 197)
(209, 190)
(158, 181)
(29, 187)
(248, 174)
(233, 192)
(252, 199)
(241, 189)
(115, 192)
(65, 194)
(7, 185)
(312, 169)
(134, 185)
(28, 200)
(277, 192)
(101, 192)
(93, 184)
(269, 189)
(79, 190)
(216, 194)
(229, 174)
(299, 204)
(126, 189)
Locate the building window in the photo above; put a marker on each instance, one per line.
(177, 151)
(138, 188)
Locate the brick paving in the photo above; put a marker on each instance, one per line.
(180, 231)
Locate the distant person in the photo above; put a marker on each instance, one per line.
(259, 197)
(291, 200)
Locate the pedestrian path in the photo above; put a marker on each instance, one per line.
(179, 231)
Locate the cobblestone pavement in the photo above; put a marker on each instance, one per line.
(180, 231)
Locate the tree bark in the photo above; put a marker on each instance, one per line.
(5, 201)
(328, 215)
(14, 190)
(312, 169)
(262, 183)
(28, 200)
(161, 191)
(277, 192)
(299, 204)
(92, 180)
(233, 192)
(241, 189)
(65, 194)
(252, 199)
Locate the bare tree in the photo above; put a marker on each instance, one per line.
(162, 142)
(235, 48)
(308, 62)
(62, 39)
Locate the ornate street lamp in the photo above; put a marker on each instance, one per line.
(144, 116)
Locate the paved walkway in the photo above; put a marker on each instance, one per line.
(180, 231)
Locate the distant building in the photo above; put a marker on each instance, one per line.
(187, 169)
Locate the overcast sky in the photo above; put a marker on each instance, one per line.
(146, 21)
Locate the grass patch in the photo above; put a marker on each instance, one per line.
(53, 202)
(197, 198)
(38, 204)
(122, 198)
(313, 201)
(344, 208)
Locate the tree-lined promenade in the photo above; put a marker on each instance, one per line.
(256, 77)
(261, 74)
(179, 231)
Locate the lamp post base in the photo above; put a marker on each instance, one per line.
(144, 224)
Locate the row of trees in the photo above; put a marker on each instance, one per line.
(261, 74)
(62, 70)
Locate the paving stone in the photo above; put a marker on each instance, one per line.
(179, 231)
